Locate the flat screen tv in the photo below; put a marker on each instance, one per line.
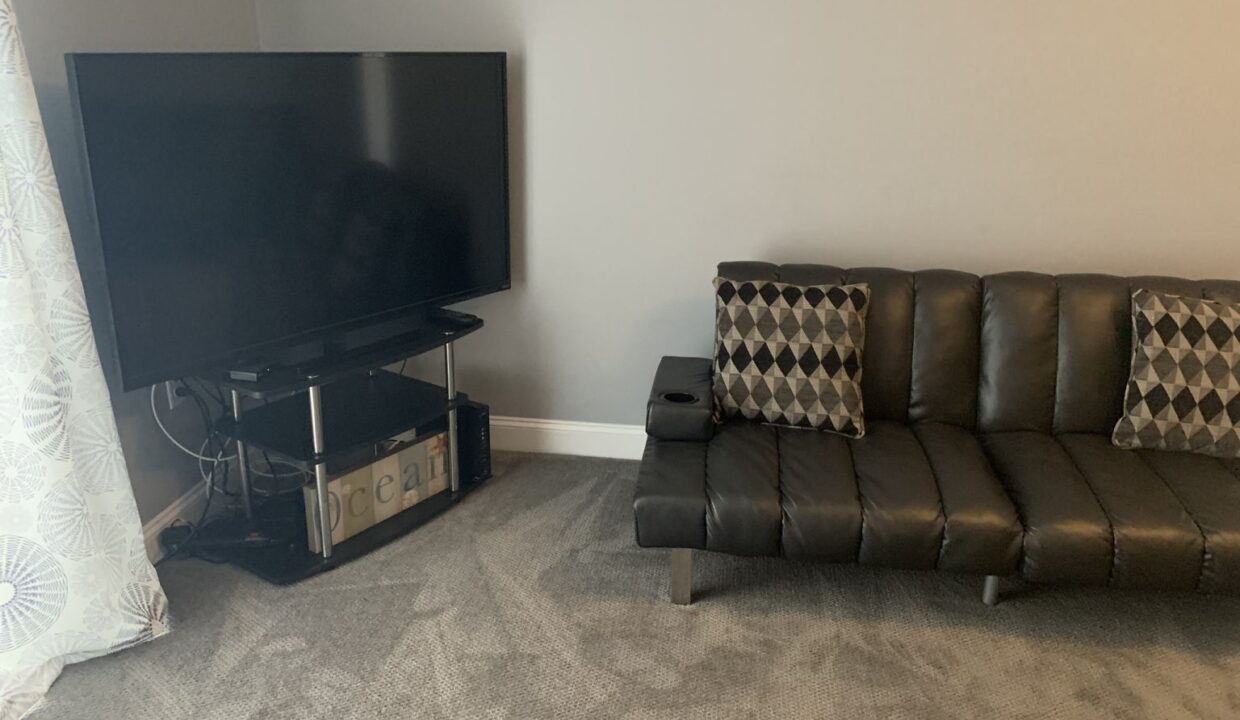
(243, 202)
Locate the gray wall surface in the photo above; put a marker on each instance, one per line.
(50, 28)
(652, 139)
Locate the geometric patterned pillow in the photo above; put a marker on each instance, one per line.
(791, 355)
(1184, 390)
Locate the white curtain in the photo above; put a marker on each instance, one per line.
(75, 581)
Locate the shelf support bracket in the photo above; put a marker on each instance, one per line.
(320, 470)
(454, 461)
(243, 464)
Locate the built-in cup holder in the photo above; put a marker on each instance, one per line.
(680, 398)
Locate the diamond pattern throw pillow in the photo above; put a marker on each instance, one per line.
(791, 355)
(1184, 390)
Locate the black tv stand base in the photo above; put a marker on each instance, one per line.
(285, 560)
(331, 415)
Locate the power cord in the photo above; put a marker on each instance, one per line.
(213, 459)
(194, 528)
(212, 431)
(177, 443)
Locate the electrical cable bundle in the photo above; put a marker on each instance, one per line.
(214, 466)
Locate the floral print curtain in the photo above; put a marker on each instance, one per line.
(75, 581)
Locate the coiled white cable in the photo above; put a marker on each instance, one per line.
(218, 458)
(174, 441)
(202, 469)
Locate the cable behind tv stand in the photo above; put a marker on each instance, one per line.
(331, 414)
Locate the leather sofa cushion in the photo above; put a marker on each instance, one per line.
(1154, 543)
(902, 518)
(1097, 515)
(1209, 489)
(818, 488)
(933, 496)
(1019, 353)
(981, 526)
(888, 353)
(903, 496)
(946, 326)
(1067, 537)
(1095, 347)
(1227, 291)
(743, 510)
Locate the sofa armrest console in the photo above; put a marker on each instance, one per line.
(681, 406)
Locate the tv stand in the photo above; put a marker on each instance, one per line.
(336, 413)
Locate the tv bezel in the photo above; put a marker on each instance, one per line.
(97, 282)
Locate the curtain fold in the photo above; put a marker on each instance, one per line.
(75, 581)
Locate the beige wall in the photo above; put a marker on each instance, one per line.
(51, 28)
(654, 138)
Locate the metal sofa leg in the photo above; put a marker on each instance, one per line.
(682, 576)
(990, 590)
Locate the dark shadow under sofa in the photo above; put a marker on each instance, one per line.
(989, 406)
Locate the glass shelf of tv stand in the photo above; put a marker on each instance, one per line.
(348, 461)
(365, 418)
(413, 336)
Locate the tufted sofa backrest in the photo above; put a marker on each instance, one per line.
(999, 353)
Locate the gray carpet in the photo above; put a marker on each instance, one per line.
(530, 600)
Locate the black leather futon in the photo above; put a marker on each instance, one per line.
(989, 404)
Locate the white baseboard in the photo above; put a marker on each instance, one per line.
(565, 437)
(187, 507)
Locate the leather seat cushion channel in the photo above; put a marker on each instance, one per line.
(920, 496)
(1097, 515)
(932, 495)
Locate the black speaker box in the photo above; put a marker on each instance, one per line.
(473, 421)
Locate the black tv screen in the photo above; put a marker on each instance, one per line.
(253, 200)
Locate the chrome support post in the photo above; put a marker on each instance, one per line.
(682, 576)
(243, 464)
(990, 590)
(454, 461)
(320, 471)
